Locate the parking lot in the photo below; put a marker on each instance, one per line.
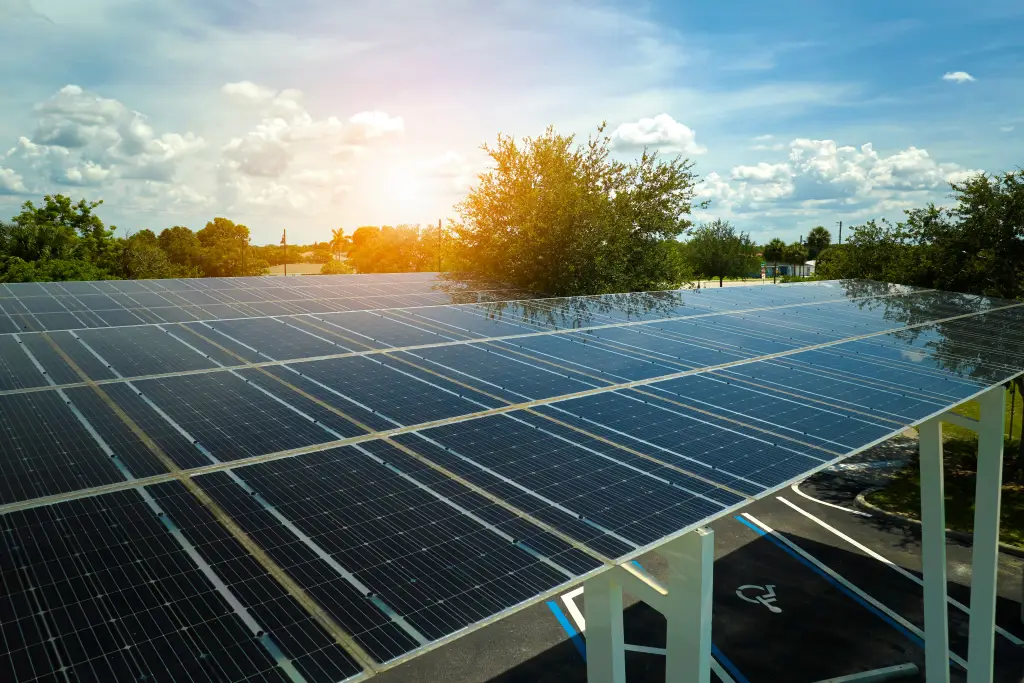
(804, 591)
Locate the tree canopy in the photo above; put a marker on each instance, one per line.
(818, 240)
(976, 246)
(65, 240)
(562, 218)
(716, 250)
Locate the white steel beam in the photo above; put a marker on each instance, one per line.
(960, 420)
(606, 651)
(985, 553)
(688, 615)
(933, 552)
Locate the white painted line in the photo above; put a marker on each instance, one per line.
(892, 565)
(846, 584)
(569, 600)
(876, 675)
(796, 489)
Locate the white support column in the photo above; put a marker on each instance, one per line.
(933, 552)
(688, 607)
(985, 553)
(606, 648)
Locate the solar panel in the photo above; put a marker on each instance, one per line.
(318, 478)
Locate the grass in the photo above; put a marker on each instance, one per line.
(960, 447)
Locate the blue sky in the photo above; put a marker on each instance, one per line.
(316, 114)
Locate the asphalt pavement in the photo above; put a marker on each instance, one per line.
(838, 597)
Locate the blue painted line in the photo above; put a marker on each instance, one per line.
(728, 665)
(716, 653)
(914, 638)
(570, 630)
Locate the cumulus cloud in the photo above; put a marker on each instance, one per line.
(247, 91)
(11, 182)
(819, 174)
(958, 76)
(661, 132)
(287, 129)
(81, 138)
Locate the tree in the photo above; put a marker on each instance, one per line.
(59, 230)
(560, 218)
(795, 254)
(336, 268)
(225, 250)
(142, 258)
(774, 251)
(818, 239)
(715, 249)
(182, 247)
(339, 242)
(388, 249)
(978, 244)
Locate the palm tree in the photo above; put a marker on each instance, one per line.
(339, 242)
(773, 251)
(818, 240)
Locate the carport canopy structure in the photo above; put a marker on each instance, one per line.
(317, 480)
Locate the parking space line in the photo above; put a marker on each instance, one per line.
(796, 489)
(914, 634)
(720, 664)
(574, 635)
(892, 565)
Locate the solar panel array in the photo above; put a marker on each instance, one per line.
(313, 479)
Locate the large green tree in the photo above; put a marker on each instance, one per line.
(225, 250)
(977, 245)
(182, 247)
(716, 250)
(563, 218)
(818, 239)
(388, 249)
(59, 239)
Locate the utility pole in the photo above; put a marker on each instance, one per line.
(284, 243)
(440, 236)
(840, 233)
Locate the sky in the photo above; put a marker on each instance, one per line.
(309, 115)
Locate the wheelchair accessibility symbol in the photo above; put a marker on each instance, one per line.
(764, 595)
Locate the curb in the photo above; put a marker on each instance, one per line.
(903, 519)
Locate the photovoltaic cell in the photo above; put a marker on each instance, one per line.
(100, 589)
(46, 450)
(15, 371)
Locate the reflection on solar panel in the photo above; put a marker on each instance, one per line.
(314, 479)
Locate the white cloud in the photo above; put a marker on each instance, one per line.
(764, 138)
(819, 175)
(257, 156)
(11, 182)
(81, 138)
(1006, 129)
(287, 130)
(776, 147)
(89, 173)
(370, 125)
(661, 132)
(247, 91)
(958, 76)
